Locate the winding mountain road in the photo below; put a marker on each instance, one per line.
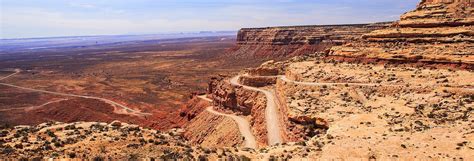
(242, 123)
(271, 113)
(129, 110)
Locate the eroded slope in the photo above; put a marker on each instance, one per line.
(436, 32)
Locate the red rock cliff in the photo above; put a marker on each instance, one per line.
(290, 41)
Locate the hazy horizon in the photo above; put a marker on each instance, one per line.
(58, 18)
(117, 35)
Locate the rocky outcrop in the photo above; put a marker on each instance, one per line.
(439, 13)
(223, 94)
(241, 101)
(257, 102)
(265, 71)
(257, 81)
(438, 31)
(229, 97)
(269, 68)
(288, 41)
(300, 126)
(191, 109)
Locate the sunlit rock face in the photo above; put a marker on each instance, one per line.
(288, 41)
(437, 31)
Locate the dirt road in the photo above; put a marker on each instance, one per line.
(129, 110)
(32, 107)
(271, 113)
(242, 123)
(16, 72)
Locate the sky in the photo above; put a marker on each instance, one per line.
(50, 18)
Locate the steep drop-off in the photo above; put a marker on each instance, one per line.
(239, 100)
(440, 32)
(288, 41)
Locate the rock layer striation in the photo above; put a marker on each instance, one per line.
(287, 41)
(437, 31)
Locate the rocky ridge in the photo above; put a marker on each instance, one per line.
(435, 32)
(288, 41)
(241, 101)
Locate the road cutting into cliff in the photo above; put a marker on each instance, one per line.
(271, 113)
(242, 123)
(115, 104)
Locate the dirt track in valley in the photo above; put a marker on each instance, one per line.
(115, 104)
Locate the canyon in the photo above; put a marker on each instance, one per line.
(385, 91)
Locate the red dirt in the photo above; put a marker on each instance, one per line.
(89, 110)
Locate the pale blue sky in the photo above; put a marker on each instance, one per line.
(45, 18)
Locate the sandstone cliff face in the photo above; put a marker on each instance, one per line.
(191, 109)
(223, 94)
(439, 13)
(438, 31)
(297, 40)
(257, 81)
(269, 68)
(240, 101)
